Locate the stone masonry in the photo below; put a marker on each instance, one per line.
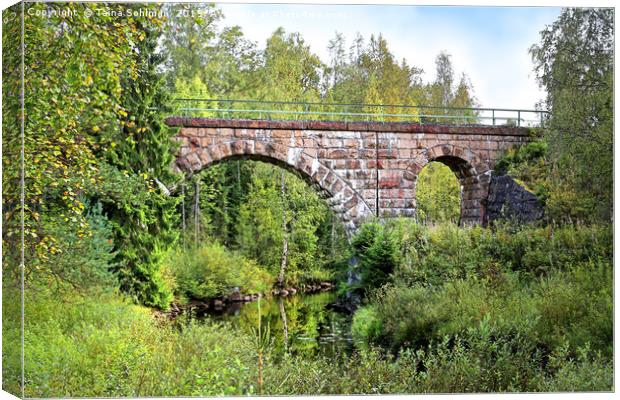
(363, 169)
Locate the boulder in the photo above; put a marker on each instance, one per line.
(236, 295)
(510, 201)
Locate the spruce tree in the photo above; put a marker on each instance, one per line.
(139, 153)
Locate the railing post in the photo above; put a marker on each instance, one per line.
(493, 114)
(518, 117)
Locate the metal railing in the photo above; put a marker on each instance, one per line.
(319, 111)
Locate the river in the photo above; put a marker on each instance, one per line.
(300, 324)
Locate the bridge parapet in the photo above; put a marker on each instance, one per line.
(323, 111)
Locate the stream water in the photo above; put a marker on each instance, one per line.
(301, 324)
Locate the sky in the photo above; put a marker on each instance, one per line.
(489, 44)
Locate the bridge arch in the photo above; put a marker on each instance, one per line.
(472, 172)
(346, 203)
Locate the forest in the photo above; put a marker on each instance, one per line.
(117, 252)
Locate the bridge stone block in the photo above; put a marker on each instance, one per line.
(237, 147)
(336, 188)
(194, 161)
(222, 151)
(389, 183)
(205, 156)
(375, 164)
(387, 153)
(320, 173)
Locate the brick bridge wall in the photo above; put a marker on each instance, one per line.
(361, 168)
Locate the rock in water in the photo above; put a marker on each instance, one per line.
(235, 295)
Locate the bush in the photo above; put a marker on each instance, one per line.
(437, 254)
(573, 306)
(375, 250)
(211, 271)
(366, 326)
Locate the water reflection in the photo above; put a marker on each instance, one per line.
(301, 324)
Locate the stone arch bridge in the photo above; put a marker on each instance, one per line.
(363, 169)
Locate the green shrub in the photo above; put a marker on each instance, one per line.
(211, 271)
(375, 249)
(577, 306)
(588, 371)
(366, 325)
(437, 254)
(573, 306)
(106, 347)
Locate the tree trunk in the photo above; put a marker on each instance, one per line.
(284, 322)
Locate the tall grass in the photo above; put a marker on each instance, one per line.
(107, 347)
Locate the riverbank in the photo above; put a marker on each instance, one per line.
(219, 304)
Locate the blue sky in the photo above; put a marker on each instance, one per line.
(489, 44)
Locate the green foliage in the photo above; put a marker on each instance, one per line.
(73, 87)
(81, 263)
(78, 96)
(370, 75)
(443, 94)
(139, 154)
(586, 372)
(291, 71)
(189, 34)
(564, 306)
(374, 248)
(141, 217)
(574, 63)
(467, 364)
(548, 286)
(438, 194)
(211, 271)
(366, 326)
(432, 255)
(260, 232)
(110, 348)
(493, 329)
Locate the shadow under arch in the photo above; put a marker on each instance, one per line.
(344, 201)
(473, 175)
